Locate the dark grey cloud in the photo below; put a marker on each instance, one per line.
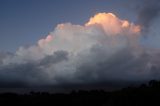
(148, 11)
(57, 57)
(30, 73)
(4, 55)
(121, 67)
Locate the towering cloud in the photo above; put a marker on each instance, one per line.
(105, 49)
(112, 25)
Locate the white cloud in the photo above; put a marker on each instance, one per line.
(105, 49)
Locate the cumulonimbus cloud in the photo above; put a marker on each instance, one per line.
(106, 48)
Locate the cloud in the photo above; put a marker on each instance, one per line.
(148, 18)
(148, 11)
(112, 25)
(105, 49)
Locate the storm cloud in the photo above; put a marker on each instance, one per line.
(99, 51)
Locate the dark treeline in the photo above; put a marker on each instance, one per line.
(146, 94)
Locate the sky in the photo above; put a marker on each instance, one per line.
(25, 22)
(78, 42)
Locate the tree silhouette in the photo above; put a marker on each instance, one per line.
(145, 94)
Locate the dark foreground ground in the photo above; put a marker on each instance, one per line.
(144, 95)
